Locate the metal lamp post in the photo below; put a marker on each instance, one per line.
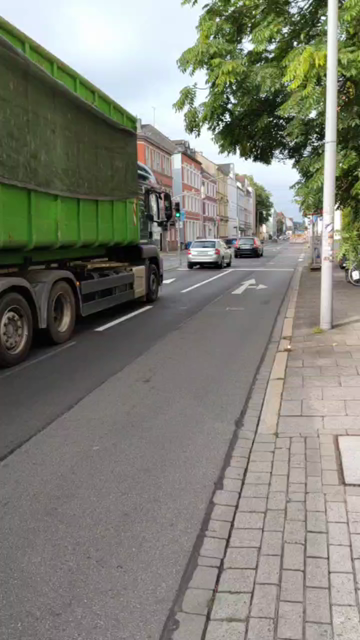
(326, 310)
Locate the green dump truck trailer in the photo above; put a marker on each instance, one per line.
(72, 206)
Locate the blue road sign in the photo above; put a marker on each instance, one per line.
(182, 216)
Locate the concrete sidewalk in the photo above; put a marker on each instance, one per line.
(171, 260)
(283, 543)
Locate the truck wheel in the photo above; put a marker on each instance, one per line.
(61, 313)
(152, 284)
(16, 329)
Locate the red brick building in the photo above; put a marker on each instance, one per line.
(155, 151)
(187, 186)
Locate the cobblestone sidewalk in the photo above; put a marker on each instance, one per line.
(285, 530)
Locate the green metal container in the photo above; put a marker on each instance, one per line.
(68, 171)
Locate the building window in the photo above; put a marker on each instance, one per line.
(147, 156)
(157, 161)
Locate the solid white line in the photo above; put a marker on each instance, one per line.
(252, 269)
(169, 281)
(200, 284)
(51, 353)
(122, 319)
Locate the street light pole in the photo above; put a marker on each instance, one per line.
(329, 168)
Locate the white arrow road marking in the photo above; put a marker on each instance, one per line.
(200, 284)
(261, 286)
(244, 286)
(169, 281)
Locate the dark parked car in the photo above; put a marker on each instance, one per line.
(230, 242)
(249, 246)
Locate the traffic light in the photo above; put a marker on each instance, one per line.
(177, 209)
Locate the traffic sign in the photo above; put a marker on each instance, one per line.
(182, 216)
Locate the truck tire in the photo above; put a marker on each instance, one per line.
(16, 329)
(153, 284)
(61, 313)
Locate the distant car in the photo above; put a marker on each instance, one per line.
(248, 246)
(230, 242)
(209, 252)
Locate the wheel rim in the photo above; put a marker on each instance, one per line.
(153, 283)
(61, 312)
(14, 330)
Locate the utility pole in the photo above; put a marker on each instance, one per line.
(329, 168)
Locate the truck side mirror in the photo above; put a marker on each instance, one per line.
(168, 206)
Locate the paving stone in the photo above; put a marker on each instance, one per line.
(341, 393)
(328, 449)
(317, 573)
(330, 477)
(245, 538)
(337, 424)
(262, 437)
(234, 474)
(290, 625)
(245, 520)
(278, 483)
(231, 606)
(300, 393)
(355, 543)
(218, 630)
(218, 529)
(191, 626)
(316, 545)
(260, 629)
(241, 559)
(297, 460)
(225, 498)
(239, 463)
(323, 408)
(312, 443)
(276, 500)
(230, 484)
(237, 580)
(342, 589)
(353, 503)
(282, 443)
(313, 469)
(317, 605)
(290, 408)
(274, 520)
(280, 468)
(329, 463)
(354, 522)
(223, 513)
(208, 562)
(295, 511)
(213, 548)
(335, 512)
(271, 543)
(338, 533)
(313, 455)
(314, 485)
(259, 466)
(357, 573)
(350, 381)
(297, 448)
(305, 425)
(318, 631)
(264, 601)
(296, 487)
(315, 502)
(294, 532)
(252, 504)
(346, 623)
(334, 494)
(297, 497)
(261, 456)
(281, 455)
(297, 475)
(268, 570)
(197, 601)
(323, 381)
(293, 556)
(264, 446)
(257, 478)
(292, 586)
(255, 491)
(204, 578)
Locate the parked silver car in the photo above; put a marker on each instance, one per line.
(209, 252)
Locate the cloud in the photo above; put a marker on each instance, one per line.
(129, 50)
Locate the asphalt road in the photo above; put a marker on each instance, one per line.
(111, 448)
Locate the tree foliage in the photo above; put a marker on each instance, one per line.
(264, 204)
(265, 71)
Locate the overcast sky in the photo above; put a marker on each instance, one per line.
(129, 48)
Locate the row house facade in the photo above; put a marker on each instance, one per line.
(232, 219)
(187, 188)
(155, 150)
(209, 197)
(246, 207)
(223, 203)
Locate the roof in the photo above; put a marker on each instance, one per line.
(150, 133)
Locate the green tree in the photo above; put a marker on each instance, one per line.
(265, 72)
(264, 204)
